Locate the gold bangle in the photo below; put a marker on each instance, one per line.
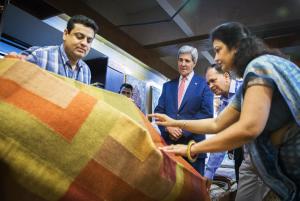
(188, 152)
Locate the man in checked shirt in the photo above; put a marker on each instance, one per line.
(66, 59)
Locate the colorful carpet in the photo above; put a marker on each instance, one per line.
(63, 140)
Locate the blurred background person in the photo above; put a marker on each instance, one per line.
(126, 90)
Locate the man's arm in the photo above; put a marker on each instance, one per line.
(31, 55)
(213, 163)
(29, 51)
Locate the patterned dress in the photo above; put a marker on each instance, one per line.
(278, 165)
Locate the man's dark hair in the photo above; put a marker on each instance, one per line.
(84, 20)
(216, 67)
(127, 86)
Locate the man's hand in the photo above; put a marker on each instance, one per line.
(14, 55)
(174, 132)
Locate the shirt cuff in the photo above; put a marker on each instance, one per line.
(210, 175)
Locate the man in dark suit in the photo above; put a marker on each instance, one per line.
(186, 97)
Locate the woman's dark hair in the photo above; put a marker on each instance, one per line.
(84, 20)
(248, 46)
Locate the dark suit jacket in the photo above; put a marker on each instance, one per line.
(197, 103)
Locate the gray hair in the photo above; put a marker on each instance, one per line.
(186, 49)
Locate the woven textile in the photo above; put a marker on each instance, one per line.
(64, 140)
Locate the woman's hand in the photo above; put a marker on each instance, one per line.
(178, 149)
(163, 120)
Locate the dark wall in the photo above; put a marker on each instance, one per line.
(98, 69)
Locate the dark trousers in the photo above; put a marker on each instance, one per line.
(238, 158)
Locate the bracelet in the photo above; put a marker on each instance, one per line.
(188, 152)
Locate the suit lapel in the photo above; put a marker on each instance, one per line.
(189, 92)
(173, 95)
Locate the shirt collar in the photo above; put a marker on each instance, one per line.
(188, 78)
(232, 87)
(65, 58)
(232, 90)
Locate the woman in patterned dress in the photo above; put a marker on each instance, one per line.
(264, 115)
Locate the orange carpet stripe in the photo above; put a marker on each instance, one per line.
(107, 185)
(65, 121)
(80, 193)
(41, 83)
(116, 158)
